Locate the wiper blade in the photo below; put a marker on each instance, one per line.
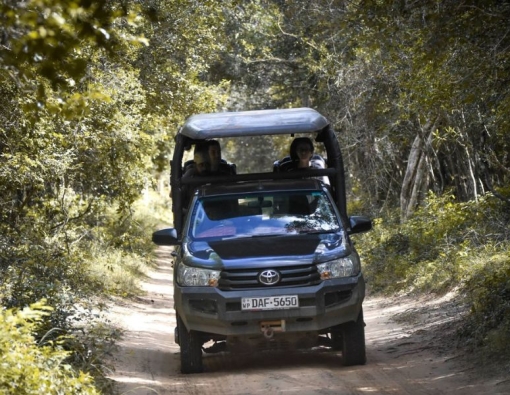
(269, 235)
(316, 231)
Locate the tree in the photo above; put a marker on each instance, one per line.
(392, 73)
(185, 40)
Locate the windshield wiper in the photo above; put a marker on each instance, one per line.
(316, 231)
(270, 235)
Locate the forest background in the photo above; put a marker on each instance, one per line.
(93, 92)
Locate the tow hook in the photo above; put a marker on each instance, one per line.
(269, 328)
(268, 332)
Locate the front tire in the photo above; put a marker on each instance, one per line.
(191, 349)
(353, 342)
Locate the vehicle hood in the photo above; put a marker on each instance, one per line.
(262, 251)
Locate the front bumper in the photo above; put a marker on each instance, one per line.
(210, 310)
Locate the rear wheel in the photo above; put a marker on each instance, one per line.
(191, 349)
(353, 342)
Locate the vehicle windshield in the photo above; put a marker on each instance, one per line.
(263, 214)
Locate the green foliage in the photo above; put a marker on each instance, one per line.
(106, 259)
(431, 251)
(29, 368)
(119, 249)
(46, 39)
(487, 291)
(88, 113)
(449, 245)
(385, 72)
(185, 41)
(84, 117)
(45, 269)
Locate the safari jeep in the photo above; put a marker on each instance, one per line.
(264, 260)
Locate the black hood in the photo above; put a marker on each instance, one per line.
(265, 246)
(270, 250)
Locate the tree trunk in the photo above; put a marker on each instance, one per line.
(416, 177)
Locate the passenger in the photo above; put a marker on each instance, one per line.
(201, 162)
(302, 157)
(218, 166)
(206, 162)
(301, 152)
(201, 167)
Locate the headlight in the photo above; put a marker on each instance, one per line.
(196, 277)
(343, 267)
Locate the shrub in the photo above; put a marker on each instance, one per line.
(446, 245)
(28, 368)
(73, 270)
(487, 290)
(430, 251)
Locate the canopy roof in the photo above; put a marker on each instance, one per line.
(253, 123)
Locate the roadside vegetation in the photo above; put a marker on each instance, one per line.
(54, 330)
(448, 245)
(92, 93)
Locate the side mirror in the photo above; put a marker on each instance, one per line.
(360, 224)
(165, 237)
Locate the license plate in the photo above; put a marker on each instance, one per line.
(270, 303)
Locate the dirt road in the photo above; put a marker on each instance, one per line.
(403, 358)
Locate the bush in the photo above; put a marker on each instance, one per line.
(448, 245)
(430, 252)
(120, 246)
(487, 290)
(73, 270)
(28, 368)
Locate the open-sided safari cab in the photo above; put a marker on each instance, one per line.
(291, 122)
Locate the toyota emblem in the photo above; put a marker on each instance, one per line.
(269, 277)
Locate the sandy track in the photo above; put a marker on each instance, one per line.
(402, 359)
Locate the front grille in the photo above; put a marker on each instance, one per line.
(291, 276)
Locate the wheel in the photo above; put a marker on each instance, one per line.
(191, 349)
(353, 342)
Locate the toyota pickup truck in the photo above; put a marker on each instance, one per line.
(264, 260)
